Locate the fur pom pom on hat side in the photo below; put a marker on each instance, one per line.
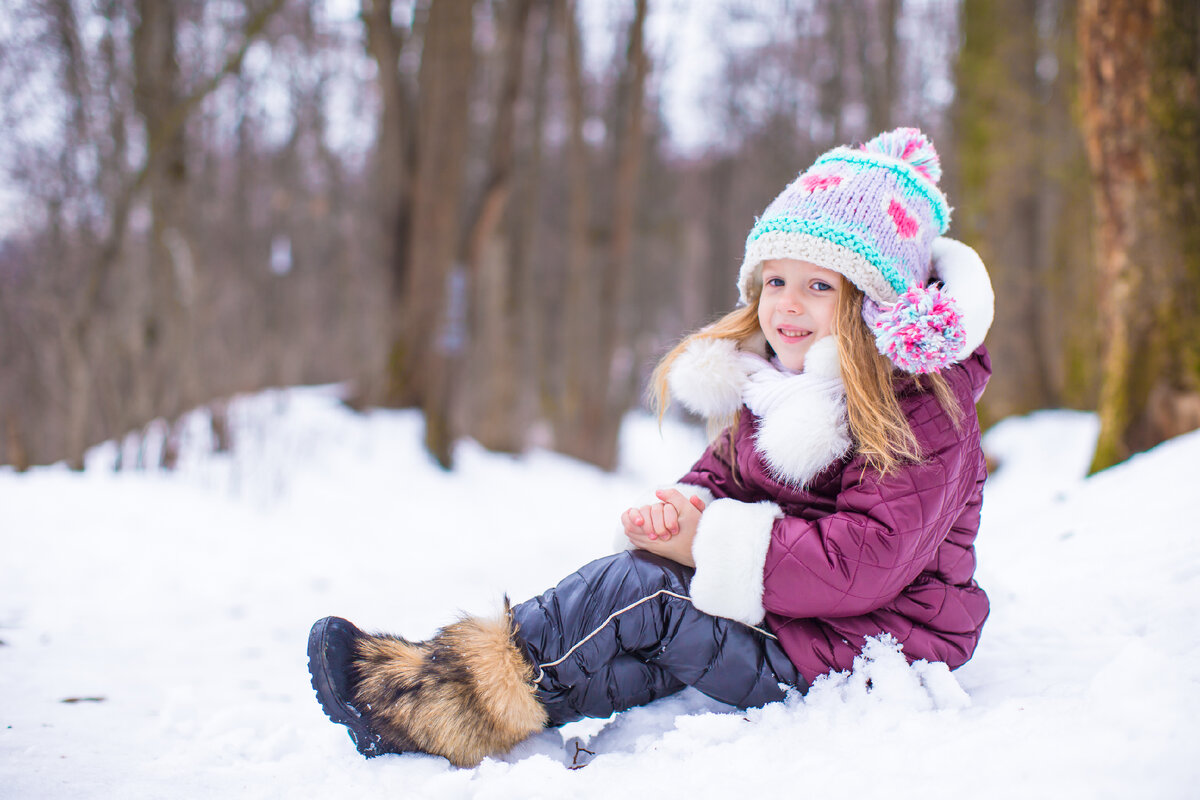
(922, 332)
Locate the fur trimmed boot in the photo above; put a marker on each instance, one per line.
(465, 694)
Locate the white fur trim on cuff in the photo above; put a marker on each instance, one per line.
(730, 552)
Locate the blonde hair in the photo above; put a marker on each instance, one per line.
(879, 428)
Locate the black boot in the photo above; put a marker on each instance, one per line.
(332, 650)
(622, 631)
(465, 694)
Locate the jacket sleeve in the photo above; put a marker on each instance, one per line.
(882, 535)
(752, 558)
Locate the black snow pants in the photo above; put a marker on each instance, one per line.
(622, 632)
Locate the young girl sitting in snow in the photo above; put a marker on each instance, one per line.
(841, 502)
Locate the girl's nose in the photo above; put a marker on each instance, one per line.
(790, 303)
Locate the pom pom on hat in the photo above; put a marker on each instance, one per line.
(921, 332)
(911, 146)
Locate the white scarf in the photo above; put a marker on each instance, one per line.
(802, 425)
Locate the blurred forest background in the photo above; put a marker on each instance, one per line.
(503, 211)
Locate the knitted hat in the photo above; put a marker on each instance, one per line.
(872, 215)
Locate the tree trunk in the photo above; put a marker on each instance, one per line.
(1142, 147)
(495, 420)
(434, 283)
(74, 328)
(600, 370)
(392, 186)
(16, 452)
(617, 389)
(1173, 400)
(1012, 199)
(171, 385)
(580, 323)
(1066, 278)
(534, 309)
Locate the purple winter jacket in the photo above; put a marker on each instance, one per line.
(854, 554)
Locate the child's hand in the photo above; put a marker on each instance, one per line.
(656, 521)
(684, 513)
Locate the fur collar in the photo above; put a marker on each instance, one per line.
(801, 418)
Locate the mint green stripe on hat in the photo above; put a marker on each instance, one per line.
(838, 236)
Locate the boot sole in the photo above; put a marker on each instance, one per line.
(366, 741)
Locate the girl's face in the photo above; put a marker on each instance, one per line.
(796, 307)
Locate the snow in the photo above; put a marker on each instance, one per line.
(175, 609)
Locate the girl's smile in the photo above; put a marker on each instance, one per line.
(796, 307)
(793, 333)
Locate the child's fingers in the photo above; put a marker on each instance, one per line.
(697, 502)
(670, 521)
(675, 498)
(645, 522)
(635, 522)
(656, 519)
(671, 518)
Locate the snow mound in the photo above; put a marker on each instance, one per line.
(883, 678)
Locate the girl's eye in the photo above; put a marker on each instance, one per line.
(774, 281)
(821, 286)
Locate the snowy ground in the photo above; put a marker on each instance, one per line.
(174, 611)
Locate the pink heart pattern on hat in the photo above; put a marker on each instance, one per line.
(814, 183)
(906, 224)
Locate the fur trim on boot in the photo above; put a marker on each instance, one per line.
(465, 694)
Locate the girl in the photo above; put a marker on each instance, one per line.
(841, 501)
